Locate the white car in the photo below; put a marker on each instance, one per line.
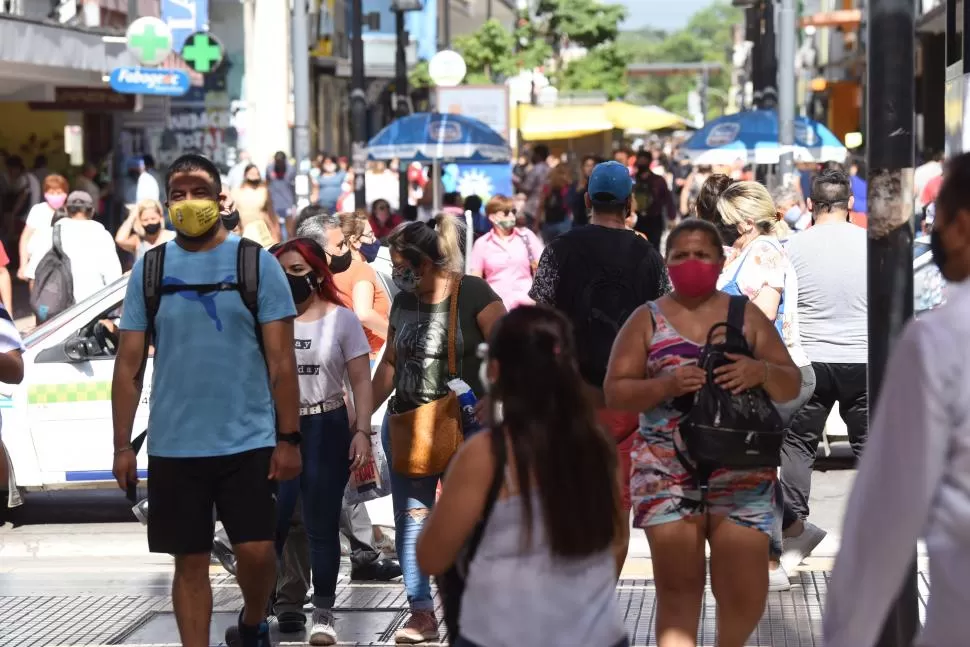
(57, 425)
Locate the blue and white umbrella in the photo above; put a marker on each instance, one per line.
(752, 136)
(431, 136)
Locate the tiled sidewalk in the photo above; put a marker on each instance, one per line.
(368, 614)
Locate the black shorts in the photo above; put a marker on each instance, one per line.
(183, 491)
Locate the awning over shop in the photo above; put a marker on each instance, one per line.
(570, 122)
(640, 119)
(561, 122)
(50, 53)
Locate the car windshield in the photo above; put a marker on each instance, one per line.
(42, 331)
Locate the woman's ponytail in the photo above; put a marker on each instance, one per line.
(449, 242)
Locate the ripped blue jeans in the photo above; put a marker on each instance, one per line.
(413, 499)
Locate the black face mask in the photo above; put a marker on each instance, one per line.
(729, 234)
(340, 263)
(153, 228)
(252, 182)
(231, 221)
(302, 287)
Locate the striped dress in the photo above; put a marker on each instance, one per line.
(663, 490)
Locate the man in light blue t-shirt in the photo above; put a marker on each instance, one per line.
(224, 418)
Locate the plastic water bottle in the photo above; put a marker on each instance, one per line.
(467, 401)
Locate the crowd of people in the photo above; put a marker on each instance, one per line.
(581, 322)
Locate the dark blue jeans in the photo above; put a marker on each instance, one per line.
(326, 469)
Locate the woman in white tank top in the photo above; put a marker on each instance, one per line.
(544, 571)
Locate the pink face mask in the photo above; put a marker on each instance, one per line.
(55, 200)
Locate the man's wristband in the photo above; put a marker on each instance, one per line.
(293, 438)
(122, 450)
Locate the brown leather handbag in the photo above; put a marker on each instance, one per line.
(424, 439)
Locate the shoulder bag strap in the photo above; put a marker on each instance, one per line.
(735, 317)
(528, 249)
(453, 331)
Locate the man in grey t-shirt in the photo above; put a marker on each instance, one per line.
(829, 260)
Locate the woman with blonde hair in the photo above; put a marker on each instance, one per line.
(555, 214)
(758, 268)
(143, 229)
(436, 323)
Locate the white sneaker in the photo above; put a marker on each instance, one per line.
(778, 579)
(323, 632)
(794, 550)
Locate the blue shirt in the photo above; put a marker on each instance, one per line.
(859, 191)
(210, 387)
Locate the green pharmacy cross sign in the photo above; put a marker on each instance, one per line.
(203, 52)
(149, 40)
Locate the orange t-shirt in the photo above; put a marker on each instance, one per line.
(359, 272)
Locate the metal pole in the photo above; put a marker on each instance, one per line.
(890, 143)
(769, 59)
(755, 16)
(488, 10)
(358, 105)
(705, 82)
(446, 29)
(401, 83)
(132, 11)
(301, 102)
(786, 90)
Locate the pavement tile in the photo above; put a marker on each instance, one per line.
(792, 618)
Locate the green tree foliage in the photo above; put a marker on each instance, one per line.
(603, 69)
(585, 23)
(706, 38)
(488, 53)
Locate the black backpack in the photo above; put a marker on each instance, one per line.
(451, 585)
(53, 290)
(723, 430)
(555, 206)
(247, 285)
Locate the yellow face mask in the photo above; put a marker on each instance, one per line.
(194, 218)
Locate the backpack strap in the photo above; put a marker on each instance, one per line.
(247, 274)
(736, 306)
(247, 282)
(56, 241)
(151, 281)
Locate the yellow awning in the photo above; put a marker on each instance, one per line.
(561, 122)
(627, 116)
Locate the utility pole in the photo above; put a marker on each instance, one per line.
(889, 143)
(358, 104)
(301, 102)
(401, 107)
(786, 90)
(769, 60)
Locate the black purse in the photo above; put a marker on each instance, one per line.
(723, 430)
(451, 585)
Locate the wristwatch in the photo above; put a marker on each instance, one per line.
(294, 438)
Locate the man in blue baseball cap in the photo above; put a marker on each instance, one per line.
(597, 276)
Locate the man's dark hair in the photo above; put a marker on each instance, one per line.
(280, 156)
(149, 161)
(473, 203)
(15, 162)
(831, 190)
(193, 162)
(540, 153)
(40, 161)
(955, 191)
(452, 199)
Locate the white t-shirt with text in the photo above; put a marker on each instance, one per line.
(323, 349)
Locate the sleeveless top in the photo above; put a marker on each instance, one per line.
(329, 190)
(559, 601)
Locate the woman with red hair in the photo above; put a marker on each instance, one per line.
(330, 343)
(40, 219)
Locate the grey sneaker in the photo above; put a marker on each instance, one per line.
(794, 550)
(778, 579)
(323, 631)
